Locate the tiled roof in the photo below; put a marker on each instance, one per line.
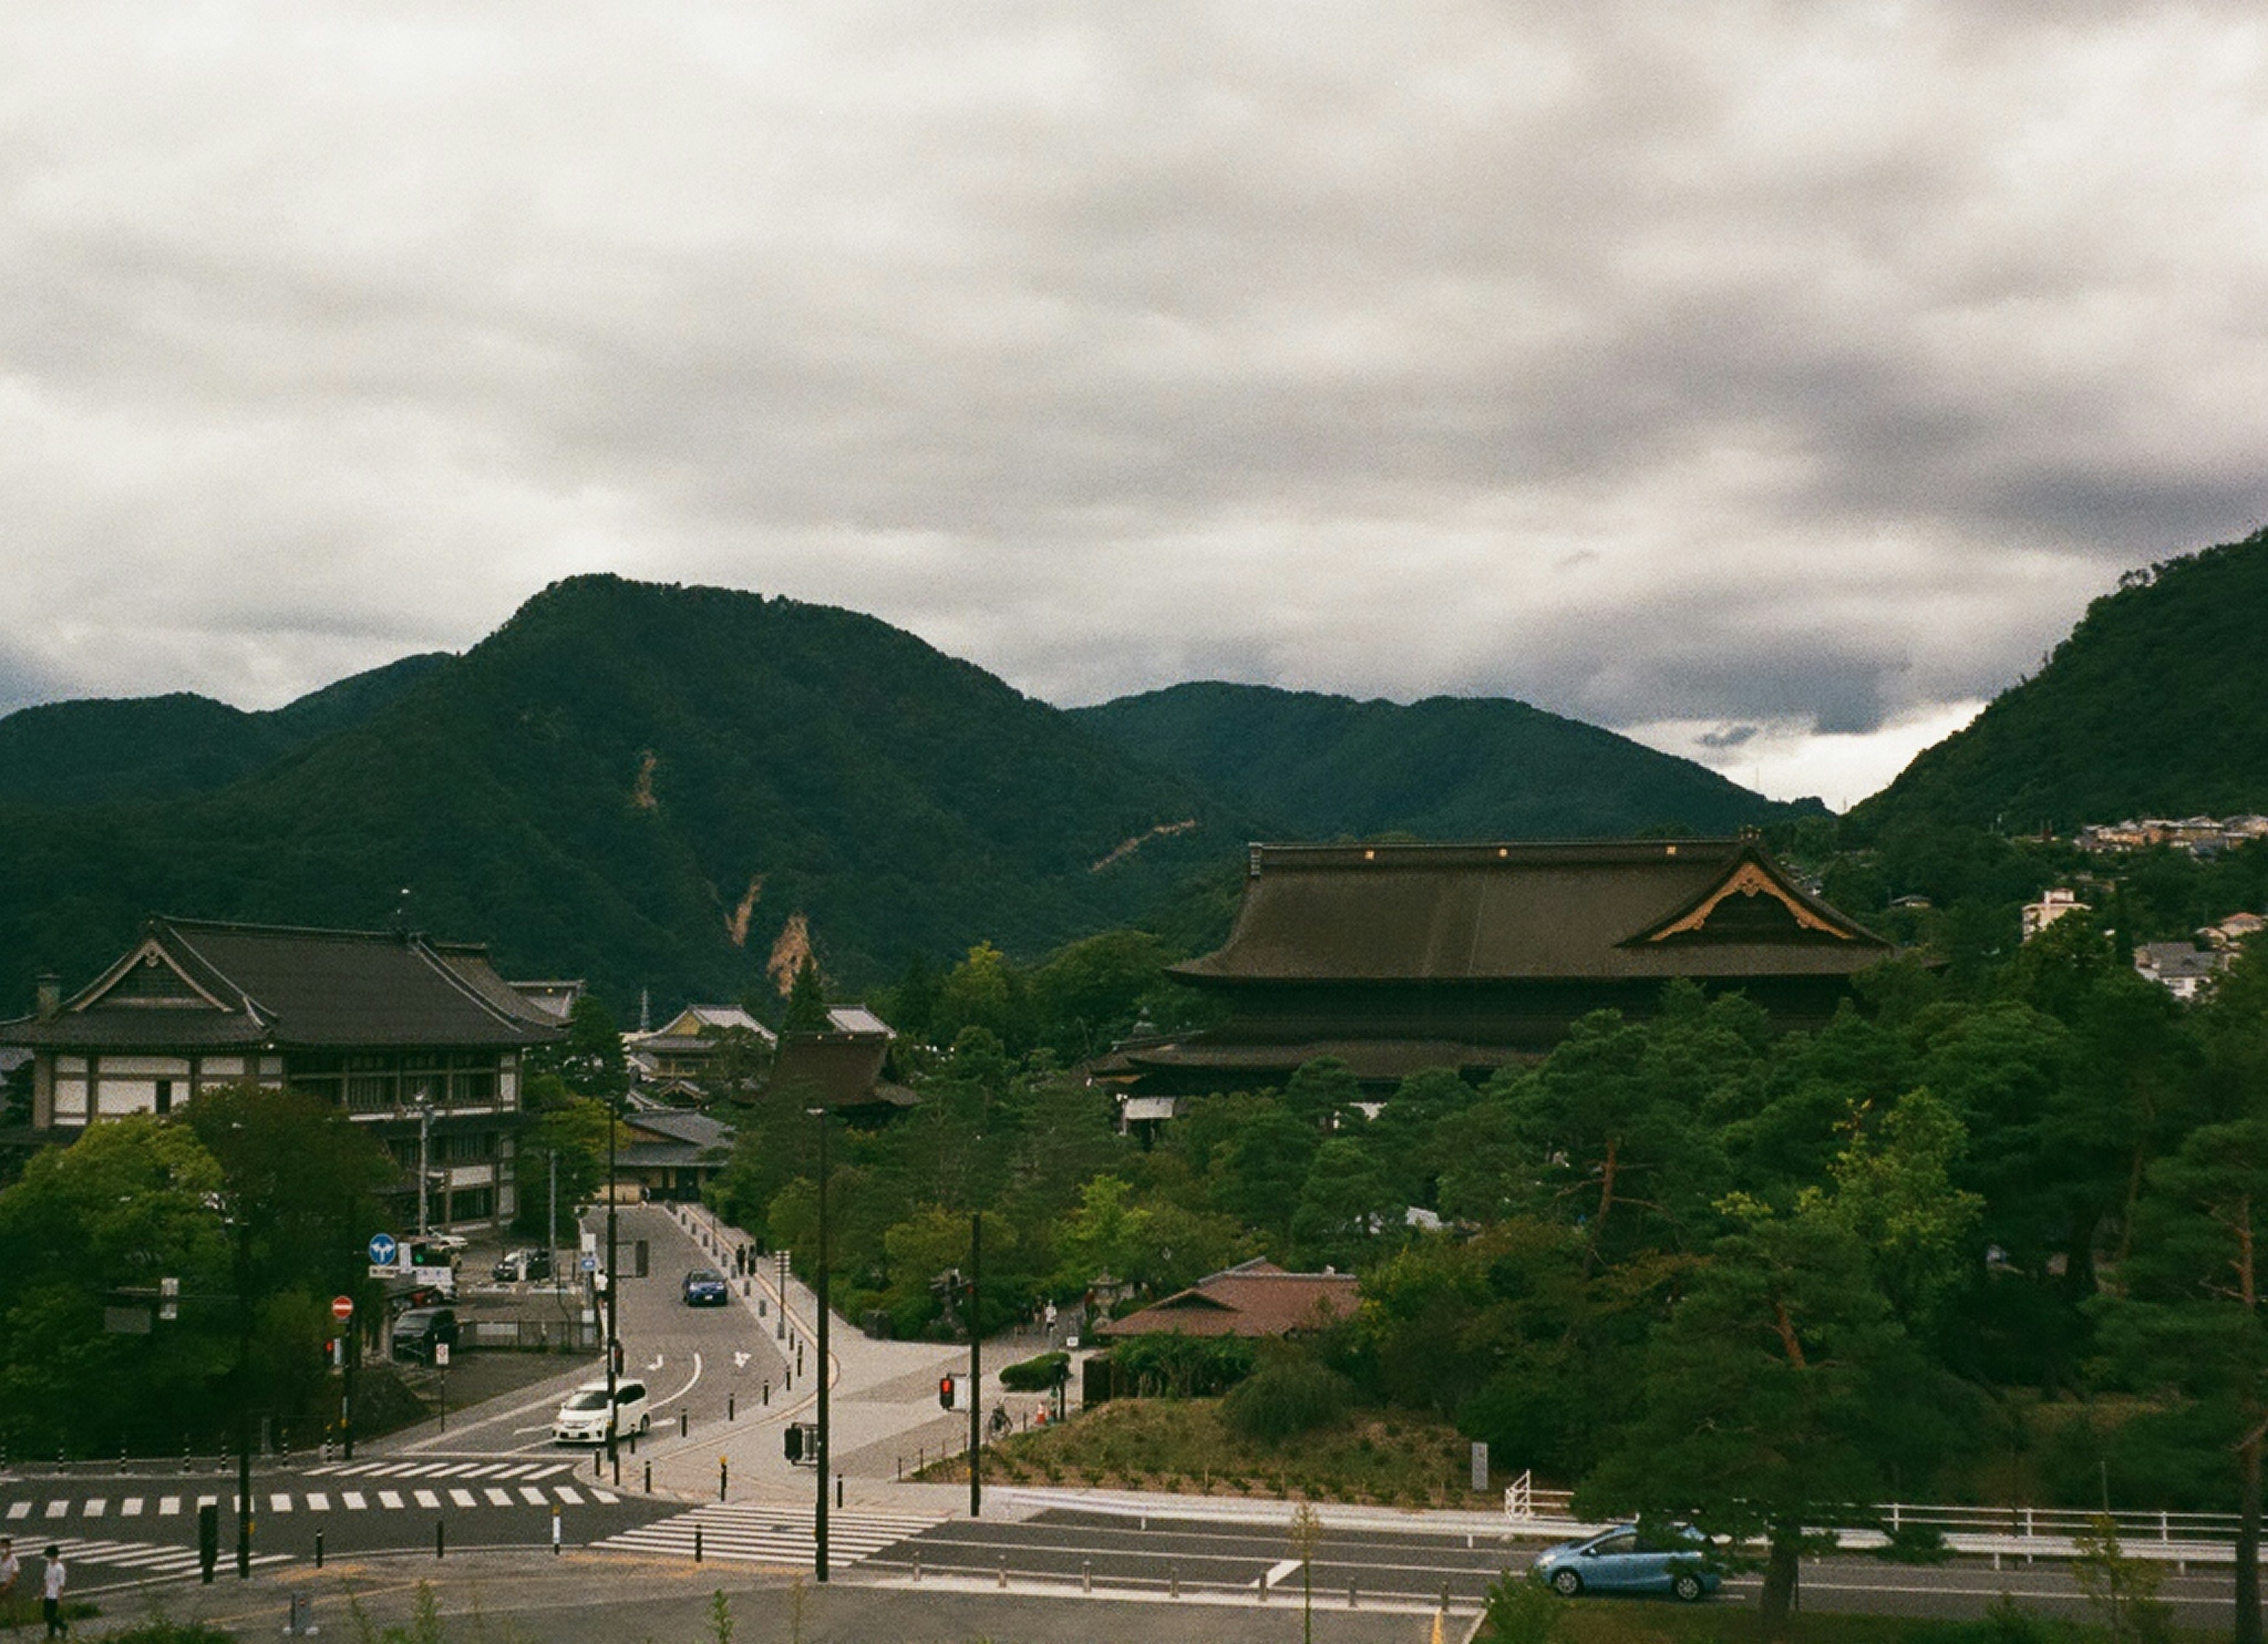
(1603, 912)
(193, 983)
(1257, 1299)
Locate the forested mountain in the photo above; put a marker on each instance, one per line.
(149, 747)
(641, 785)
(1446, 768)
(2156, 704)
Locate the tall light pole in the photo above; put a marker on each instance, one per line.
(424, 1149)
(976, 1364)
(818, 1517)
(613, 1290)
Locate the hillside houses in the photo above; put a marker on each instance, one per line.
(2199, 836)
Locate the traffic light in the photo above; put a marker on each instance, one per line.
(945, 1392)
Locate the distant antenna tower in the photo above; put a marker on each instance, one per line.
(646, 1010)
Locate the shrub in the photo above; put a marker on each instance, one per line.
(1289, 1394)
(1034, 1376)
(1520, 1611)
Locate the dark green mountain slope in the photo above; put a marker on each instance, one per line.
(76, 753)
(1446, 768)
(603, 786)
(2157, 705)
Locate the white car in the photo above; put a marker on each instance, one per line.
(582, 1419)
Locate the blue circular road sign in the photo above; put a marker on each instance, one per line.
(382, 1249)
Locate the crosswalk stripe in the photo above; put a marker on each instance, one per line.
(463, 1496)
(389, 1497)
(56, 1509)
(280, 1501)
(19, 1509)
(498, 1497)
(751, 1534)
(530, 1494)
(354, 1500)
(130, 1507)
(426, 1497)
(566, 1493)
(608, 1496)
(318, 1502)
(97, 1506)
(168, 1506)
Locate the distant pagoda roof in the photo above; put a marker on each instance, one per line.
(1583, 911)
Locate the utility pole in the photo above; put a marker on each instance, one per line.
(614, 1292)
(551, 1226)
(424, 1160)
(819, 1519)
(976, 1364)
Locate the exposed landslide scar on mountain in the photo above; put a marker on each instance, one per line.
(789, 953)
(736, 923)
(1128, 847)
(642, 796)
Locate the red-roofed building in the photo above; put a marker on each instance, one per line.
(1255, 1299)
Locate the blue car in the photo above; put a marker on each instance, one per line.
(705, 1288)
(1620, 1560)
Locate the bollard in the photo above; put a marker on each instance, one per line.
(1172, 1581)
(319, 1549)
(732, 1406)
(440, 1539)
(723, 1474)
(1004, 1573)
(768, 1392)
(1445, 1598)
(634, 1438)
(838, 1489)
(681, 1423)
(1349, 1594)
(599, 1462)
(916, 1569)
(649, 1478)
(1087, 1575)
(618, 1470)
(697, 1544)
(554, 1532)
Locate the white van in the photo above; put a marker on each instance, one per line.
(582, 1419)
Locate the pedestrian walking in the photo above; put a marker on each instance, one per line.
(51, 1591)
(10, 1568)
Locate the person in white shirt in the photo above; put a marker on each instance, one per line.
(51, 1592)
(10, 1569)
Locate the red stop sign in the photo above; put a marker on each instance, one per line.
(343, 1308)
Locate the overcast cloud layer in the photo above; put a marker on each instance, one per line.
(1773, 381)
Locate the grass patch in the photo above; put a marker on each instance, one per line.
(1185, 1444)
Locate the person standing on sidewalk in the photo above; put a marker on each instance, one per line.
(51, 1592)
(10, 1569)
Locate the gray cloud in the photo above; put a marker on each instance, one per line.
(1742, 363)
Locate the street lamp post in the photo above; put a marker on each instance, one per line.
(976, 1364)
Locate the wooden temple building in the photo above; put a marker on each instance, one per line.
(1398, 957)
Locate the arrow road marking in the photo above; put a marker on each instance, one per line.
(657, 1363)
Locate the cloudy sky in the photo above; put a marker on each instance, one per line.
(1772, 382)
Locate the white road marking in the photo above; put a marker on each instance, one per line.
(464, 1498)
(279, 1502)
(19, 1509)
(354, 1499)
(566, 1493)
(318, 1502)
(97, 1506)
(426, 1497)
(497, 1497)
(168, 1506)
(130, 1507)
(389, 1497)
(530, 1494)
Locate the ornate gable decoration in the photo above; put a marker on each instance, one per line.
(149, 978)
(1750, 904)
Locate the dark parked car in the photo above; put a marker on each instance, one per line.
(1622, 1560)
(519, 1265)
(418, 1331)
(705, 1288)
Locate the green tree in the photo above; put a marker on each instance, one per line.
(806, 1000)
(1781, 1390)
(2189, 1318)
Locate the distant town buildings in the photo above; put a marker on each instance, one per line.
(2183, 968)
(2199, 836)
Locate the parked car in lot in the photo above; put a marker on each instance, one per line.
(522, 1264)
(582, 1419)
(419, 1330)
(1623, 1560)
(705, 1288)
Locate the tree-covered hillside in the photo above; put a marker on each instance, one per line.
(2157, 705)
(152, 748)
(1446, 768)
(645, 786)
